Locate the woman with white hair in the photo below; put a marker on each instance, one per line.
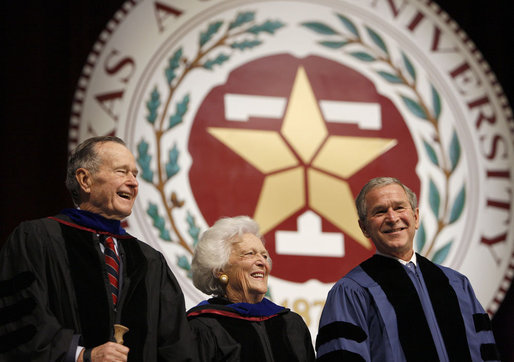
(238, 323)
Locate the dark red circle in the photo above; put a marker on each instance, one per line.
(224, 184)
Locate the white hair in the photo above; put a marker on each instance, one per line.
(213, 251)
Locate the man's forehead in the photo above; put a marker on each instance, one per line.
(394, 193)
(113, 152)
(390, 188)
(110, 146)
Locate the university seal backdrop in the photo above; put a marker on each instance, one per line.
(282, 110)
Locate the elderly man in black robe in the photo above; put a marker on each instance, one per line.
(66, 280)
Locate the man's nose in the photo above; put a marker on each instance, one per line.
(132, 180)
(391, 215)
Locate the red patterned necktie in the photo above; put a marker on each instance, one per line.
(112, 263)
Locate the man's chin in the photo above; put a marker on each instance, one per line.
(401, 253)
(120, 215)
(125, 215)
(123, 212)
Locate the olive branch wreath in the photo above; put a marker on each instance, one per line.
(403, 73)
(223, 39)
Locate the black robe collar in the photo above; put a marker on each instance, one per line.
(263, 310)
(87, 270)
(95, 222)
(415, 336)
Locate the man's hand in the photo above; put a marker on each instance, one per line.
(109, 351)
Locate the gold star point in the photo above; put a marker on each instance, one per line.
(285, 186)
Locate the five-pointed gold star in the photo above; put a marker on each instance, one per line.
(320, 165)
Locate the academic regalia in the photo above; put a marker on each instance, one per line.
(248, 332)
(54, 293)
(374, 313)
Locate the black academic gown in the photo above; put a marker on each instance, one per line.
(54, 294)
(225, 334)
(374, 313)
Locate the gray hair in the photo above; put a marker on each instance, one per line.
(85, 155)
(213, 251)
(360, 201)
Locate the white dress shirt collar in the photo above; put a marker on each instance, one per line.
(404, 262)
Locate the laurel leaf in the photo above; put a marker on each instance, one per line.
(414, 107)
(207, 35)
(442, 253)
(434, 198)
(436, 100)
(349, 25)
(431, 153)
(183, 262)
(421, 237)
(377, 39)
(267, 27)
(391, 78)
(180, 111)
(365, 57)
(158, 221)
(246, 44)
(458, 205)
(242, 18)
(409, 67)
(455, 151)
(144, 160)
(152, 105)
(194, 230)
(172, 167)
(334, 44)
(173, 64)
(220, 59)
(320, 28)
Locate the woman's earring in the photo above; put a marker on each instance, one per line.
(223, 279)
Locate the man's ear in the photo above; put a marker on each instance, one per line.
(83, 177)
(362, 225)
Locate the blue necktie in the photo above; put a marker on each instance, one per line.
(412, 268)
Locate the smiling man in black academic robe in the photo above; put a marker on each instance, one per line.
(398, 305)
(56, 298)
